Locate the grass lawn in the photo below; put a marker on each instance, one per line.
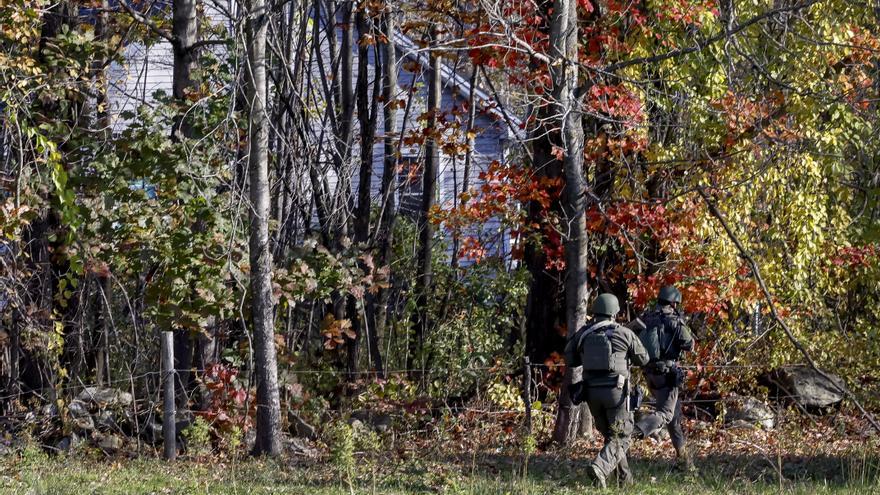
(33, 472)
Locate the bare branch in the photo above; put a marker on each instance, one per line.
(146, 22)
(768, 298)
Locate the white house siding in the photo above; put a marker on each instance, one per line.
(148, 69)
(145, 70)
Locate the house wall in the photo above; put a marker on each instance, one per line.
(148, 69)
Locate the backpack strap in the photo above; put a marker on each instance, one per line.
(673, 319)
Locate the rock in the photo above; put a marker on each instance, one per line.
(751, 411)
(250, 439)
(299, 428)
(377, 421)
(85, 423)
(78, 409)
(6, 450)
(807, 387)
(68, 443)
(152, 432)
(105, 420)
(300, 447)
(382, 423)
(111, 443)
(49, 410)
(105, 397)
(740, 425)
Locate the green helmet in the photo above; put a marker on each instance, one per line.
(669, 294)
(606, 305)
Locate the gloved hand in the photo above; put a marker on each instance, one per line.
(575, 391)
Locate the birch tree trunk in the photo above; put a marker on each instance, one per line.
(266, 369)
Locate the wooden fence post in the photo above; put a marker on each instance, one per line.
(169, 416)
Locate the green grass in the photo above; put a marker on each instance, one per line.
(32, 472)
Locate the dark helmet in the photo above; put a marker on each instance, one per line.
(606, 305)
(669, 294)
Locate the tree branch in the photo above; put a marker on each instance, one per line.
(700, 45)
(768, 298)
(146, 22)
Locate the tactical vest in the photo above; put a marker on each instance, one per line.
(597, 353)
(660, 336)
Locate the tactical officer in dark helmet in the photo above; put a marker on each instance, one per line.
(665, 336)
(605, 350)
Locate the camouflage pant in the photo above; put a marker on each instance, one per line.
(666, 412)
(610, 409)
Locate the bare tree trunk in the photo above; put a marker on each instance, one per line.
(426, 230)
(388, 55)
(102, 114)
(564, 49)
(184, 32)
(367, 116)
(266, 369)
(468, 157)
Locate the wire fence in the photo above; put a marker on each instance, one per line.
(131, 381)
(484, 420)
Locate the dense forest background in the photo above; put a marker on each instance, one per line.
(728, 147)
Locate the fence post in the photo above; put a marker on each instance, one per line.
(169, 413)
(527, 392)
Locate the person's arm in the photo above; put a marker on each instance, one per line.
(572, 356)
(685, 337)
(637, 354)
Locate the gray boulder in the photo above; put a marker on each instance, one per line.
(105, 397)
(375, 420)
(751, 411)
(49, 410)
(299, 428)
(807, 387)
(300, 447)
(152, 432)
(111, 443)
(78, 409)
(106, 420)
(84, 423)
(68, 443)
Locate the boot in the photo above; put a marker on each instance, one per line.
(596, 475)
(637, 433)
(684, 461)
(623, 474)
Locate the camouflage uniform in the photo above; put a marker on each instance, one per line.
(607, 394)
(664, 378)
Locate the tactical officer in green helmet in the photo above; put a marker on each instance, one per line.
(665, 336)
(605, 351)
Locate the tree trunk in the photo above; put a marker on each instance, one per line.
(564, 49)
(184, 30)
(266, 369)
(468, 157)
(426, 230)
(367, 116)
(378, 311)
